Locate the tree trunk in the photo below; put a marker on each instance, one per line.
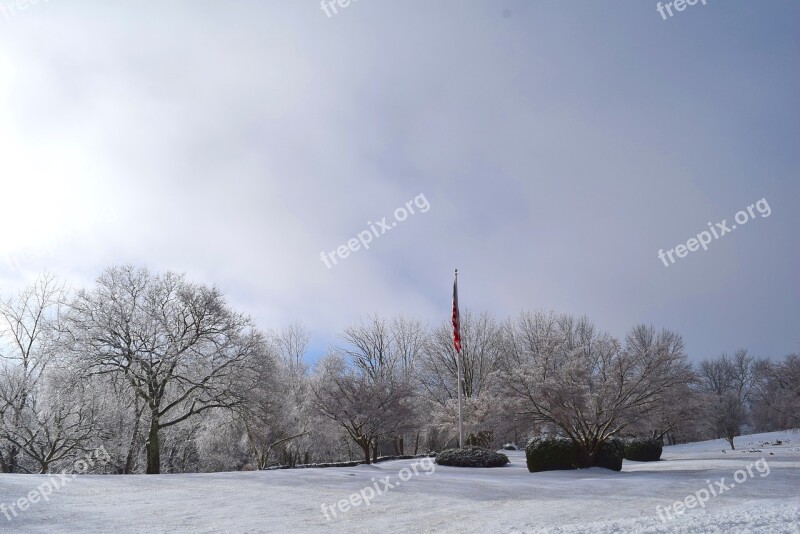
(375, 450)
(365, 443)
(586, 453)
(14, 459)
(128, 469)
(398, 444)
(11, 463)
(153, 448)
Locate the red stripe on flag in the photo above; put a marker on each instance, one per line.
(456, 317)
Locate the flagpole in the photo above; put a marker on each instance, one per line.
(460, 379)
(460, 404)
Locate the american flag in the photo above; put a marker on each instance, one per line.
(456, 317)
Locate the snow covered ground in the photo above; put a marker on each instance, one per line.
(448, 499)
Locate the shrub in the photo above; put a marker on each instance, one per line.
(610, 454)
(471, 457)
(551, 453)
(643, 449)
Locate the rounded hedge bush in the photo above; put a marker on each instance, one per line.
(471, 457)
(551, 453)
(610, 454)
(643, 449)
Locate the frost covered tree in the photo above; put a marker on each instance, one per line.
(563, 372)
(729, 383)
(364, 407)
(776, 398)
(274, 392)
(29, 333)
(676, 408)
(58, 421)
(177, 344)
(385, 353)
(365, 387)
(480, 355)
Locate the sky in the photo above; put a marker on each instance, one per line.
(557, 145)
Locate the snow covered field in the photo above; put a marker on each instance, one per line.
(447, 500)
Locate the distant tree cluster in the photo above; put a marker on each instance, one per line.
(168, 378)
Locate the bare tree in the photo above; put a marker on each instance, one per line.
(729, 384)
(409, 338)
(29, 330)
(787, 379)
(364, 407)
(369, 346)
(273, 388)
(292, 344)
(384, 353)
(776, 395)
(564, 373)
(58, 421)
(675, 407)
(480, 354)
(177, 344)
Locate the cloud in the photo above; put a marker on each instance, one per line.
(560, 147)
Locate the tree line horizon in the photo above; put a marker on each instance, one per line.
(168, 378)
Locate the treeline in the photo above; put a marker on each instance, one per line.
(166, 377)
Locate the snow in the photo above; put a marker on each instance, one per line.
(450, 499)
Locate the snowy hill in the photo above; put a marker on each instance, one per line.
(438, 499)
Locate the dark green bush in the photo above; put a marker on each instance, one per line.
(471, 457)
(551, 453)
(643, 449)
(610, 454)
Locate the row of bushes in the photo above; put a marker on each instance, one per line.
(350, 463)
(543, 453)
(553, 453)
